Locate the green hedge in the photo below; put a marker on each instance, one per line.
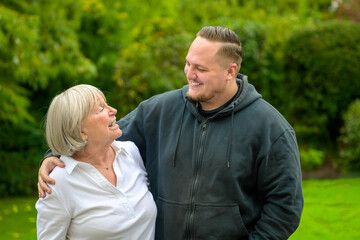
(350, 138)
(322, 69)
(311, 159)
(22, 148)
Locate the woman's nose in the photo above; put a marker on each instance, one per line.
(112, 110)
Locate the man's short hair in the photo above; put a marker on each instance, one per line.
(65, 115)
(230, 48)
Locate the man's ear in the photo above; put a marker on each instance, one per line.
(232, 71)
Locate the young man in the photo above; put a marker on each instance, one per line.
(222, 162)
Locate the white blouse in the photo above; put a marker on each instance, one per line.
(85, 205)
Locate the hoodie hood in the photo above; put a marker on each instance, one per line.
(246, 95)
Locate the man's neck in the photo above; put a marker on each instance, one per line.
(209, 106)
(208, 113)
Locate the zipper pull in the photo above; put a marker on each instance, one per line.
(204, 126)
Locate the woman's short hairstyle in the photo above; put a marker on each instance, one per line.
(230, 48)
(65, 116)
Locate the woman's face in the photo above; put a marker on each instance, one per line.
(99, 126)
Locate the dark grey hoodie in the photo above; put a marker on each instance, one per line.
(235, 175)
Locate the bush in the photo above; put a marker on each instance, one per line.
(311, 159)
(350, 138)
(322, 67)
(153, 63)
(21, 152)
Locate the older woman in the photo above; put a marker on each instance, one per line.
(102, 193)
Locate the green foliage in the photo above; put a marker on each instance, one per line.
(102, 34)
(322, 65)
(38, 45)
(152, 63)
(39, 55)
(21, 151)
(18, 57)
(311, 158)
(350, 138)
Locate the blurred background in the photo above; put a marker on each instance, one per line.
(303, 57)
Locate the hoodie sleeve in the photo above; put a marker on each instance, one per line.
(132, 129)
(280, 189)
(47, 154)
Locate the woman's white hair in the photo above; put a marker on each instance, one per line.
(65, 115)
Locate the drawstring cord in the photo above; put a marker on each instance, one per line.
(229, 143)
(179, 134)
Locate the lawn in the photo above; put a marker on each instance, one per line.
(331, 212)
(18, 218)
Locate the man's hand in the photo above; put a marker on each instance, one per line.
(46, 167)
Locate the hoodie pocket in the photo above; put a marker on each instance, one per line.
(171, 220)
(219, 222)
(211, 222)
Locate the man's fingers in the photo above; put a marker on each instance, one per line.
(41, 192)
(44, 177)
(59, 163)
(52, 162)
(46, 168)
(43, 187)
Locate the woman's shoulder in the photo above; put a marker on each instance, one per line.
(124, 145)
(127, 148)
(61, 175)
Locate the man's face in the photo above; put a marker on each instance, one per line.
(206, 77)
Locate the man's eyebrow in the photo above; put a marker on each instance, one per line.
(200, 66)
(196, 65)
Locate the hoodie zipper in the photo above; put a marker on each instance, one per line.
(198, 162)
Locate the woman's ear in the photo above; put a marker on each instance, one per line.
(84, 136)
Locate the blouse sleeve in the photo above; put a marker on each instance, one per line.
(53, 219)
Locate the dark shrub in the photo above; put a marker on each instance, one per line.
(350, 138)
(322, 71)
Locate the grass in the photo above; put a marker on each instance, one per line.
(331, 212)
(18, 218)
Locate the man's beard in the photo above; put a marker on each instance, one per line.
(200, 98)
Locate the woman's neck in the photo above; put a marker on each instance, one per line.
(100, 157)
(96, 155)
